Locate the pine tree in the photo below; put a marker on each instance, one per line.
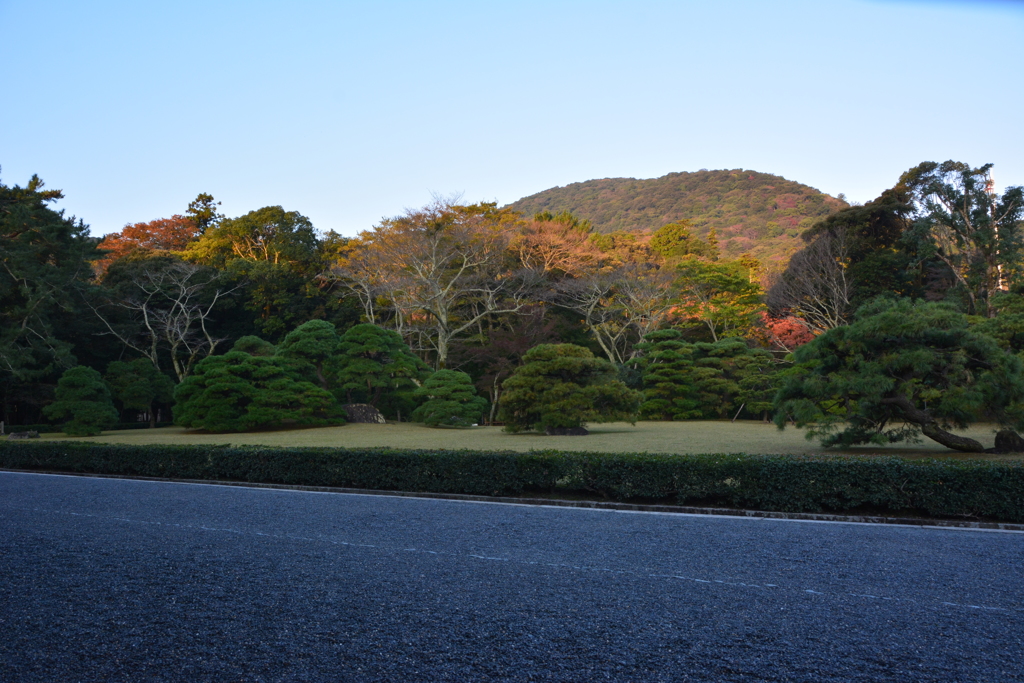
(138, 385)
(563, 386)
(450, 400)
(84, 401)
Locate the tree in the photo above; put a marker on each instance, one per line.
(900, 369)
(138, 385)
(965, 225)
(442, 269)
(558, 245)
(668, 374)
(254, 346)
(316, 345)
(170, 304)
(84, 401)
(684, 380)
(783, 333)
(675, 240)
(620, 305)
(563, 386)
(374, 361)
(495, 357)
(276, 257)
(816, 286)
(851, 257)
(203, 212)
(44, 264)
(163, 234)
(451, 400)
(238, 392)
(719, 296)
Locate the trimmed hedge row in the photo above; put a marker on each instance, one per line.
(882, 485)
(56, 429)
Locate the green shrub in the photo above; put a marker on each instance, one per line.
(450, 400)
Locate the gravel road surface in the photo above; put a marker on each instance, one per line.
(118, 580)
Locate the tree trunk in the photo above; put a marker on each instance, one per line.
(931, 429)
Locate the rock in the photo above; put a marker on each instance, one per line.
(23, 435)
(566, 431)
(363, 413)
(1008, 441)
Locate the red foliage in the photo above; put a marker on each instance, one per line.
(167, 234)
(786, 332)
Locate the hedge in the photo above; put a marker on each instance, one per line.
(56, 429)
(878, 485)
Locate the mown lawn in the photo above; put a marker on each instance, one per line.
(653, 437)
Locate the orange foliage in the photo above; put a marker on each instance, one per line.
(786, 332)
(165, 234)
(554, 246)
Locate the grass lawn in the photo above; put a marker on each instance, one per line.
(653, 437)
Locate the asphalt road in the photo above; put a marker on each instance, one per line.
(116, 580)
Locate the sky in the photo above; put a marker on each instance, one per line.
(348, 112)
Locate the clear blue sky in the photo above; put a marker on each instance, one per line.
(351, 111)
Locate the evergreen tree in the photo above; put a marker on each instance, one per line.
(675, 240)
(901, 369)
(563, 386)
(450, 400)
(138, 385)
(668, 377)
(238, 392)
(83, 400)
(315, 346)
(373, 362)
(46, 262)
(718, 296)
(254, 346)
(703, 381)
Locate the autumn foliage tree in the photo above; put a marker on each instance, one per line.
(442, 270)
(557, 245)
(163, 234)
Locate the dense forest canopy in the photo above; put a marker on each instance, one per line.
(752, 213)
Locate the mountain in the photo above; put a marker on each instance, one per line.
(752, 213)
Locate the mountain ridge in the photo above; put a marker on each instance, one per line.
(754, 213)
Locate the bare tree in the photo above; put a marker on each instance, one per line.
(170, 303)
(619, 306)
(816, 286)
(440, 270)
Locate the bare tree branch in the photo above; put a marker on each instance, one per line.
(816, 286)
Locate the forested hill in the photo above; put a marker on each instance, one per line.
(756, 213)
